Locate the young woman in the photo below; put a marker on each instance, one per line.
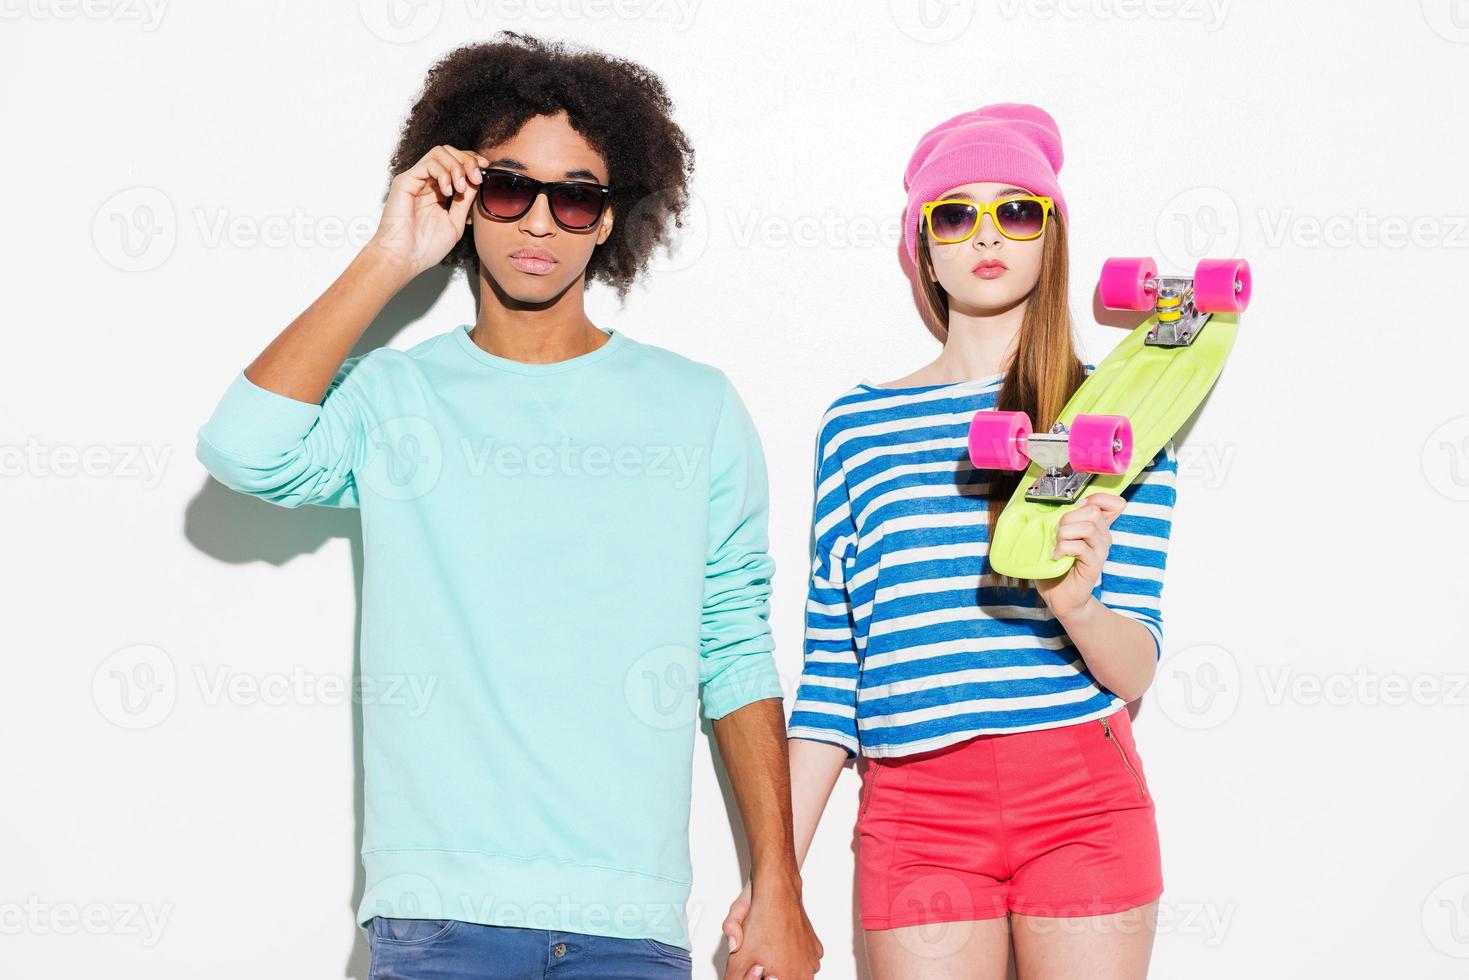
(1003, 797)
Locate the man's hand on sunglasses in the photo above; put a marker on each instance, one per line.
(428, 206)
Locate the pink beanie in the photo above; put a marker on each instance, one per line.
(1009, 141)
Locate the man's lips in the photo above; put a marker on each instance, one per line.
(535, 261)
(989, 269)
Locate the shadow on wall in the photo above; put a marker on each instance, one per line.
(235, 528)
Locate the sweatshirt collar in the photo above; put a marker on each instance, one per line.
(615, 339)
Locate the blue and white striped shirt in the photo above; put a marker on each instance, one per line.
(905, 649)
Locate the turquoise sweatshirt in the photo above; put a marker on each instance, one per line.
(561, 560)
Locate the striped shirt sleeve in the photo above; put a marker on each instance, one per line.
(826, 697)
(1132, 574)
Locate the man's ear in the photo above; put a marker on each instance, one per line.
(605, 231)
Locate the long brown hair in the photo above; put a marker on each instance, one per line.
(1045, 370)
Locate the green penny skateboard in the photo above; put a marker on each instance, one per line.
(1124, 412)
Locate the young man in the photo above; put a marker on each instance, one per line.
(565, 536)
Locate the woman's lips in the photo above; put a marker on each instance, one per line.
(532, 263)
(990, 269)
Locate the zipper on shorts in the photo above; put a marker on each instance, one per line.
(1107, 733)
(871, 785)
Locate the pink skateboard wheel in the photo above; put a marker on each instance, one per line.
(1121, 284)
(1100, 444)
(1214, 285)
(997, 440)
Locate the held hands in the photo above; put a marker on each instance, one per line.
(1083, 531)
(416, 228)
(770, 937)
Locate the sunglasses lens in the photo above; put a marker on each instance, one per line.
(505, 195)
(576, 207)
(1020, 218)
(950, 222)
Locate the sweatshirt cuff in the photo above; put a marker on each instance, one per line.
(250, 420)
(753, 678)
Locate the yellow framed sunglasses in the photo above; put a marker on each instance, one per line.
(1020, 218)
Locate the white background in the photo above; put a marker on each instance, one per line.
(182, 180)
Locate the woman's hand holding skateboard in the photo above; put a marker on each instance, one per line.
(1084, 531)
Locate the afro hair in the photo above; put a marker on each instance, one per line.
(481, 94)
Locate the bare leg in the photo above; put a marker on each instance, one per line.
(969, 950)
(1095, 947)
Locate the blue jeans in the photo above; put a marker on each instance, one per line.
(451, 949)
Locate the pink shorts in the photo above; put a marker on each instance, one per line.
(1055, 822)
